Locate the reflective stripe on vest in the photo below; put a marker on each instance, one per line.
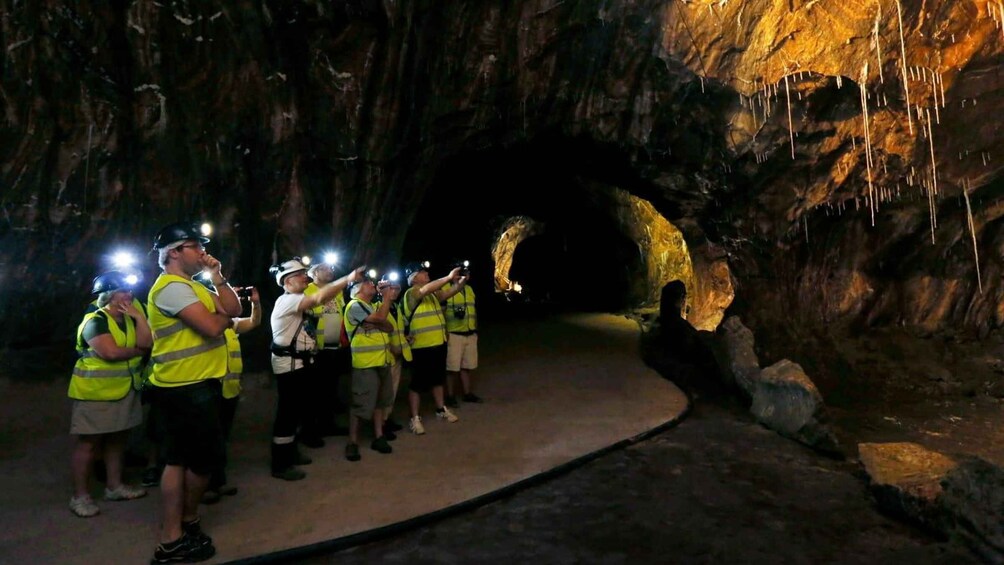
(184, 356)
(235, 365)
(396, 318)
(94, 378)
(317, 314)
(427, 324)
(465, 300)
(370, 348)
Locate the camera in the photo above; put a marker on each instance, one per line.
(465, 268)
(245, 293)
(459, 312)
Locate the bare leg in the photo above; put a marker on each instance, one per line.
(465, 380)
(172, 494)
(81, 460)
(437, 395)
(377, 422)
(451, 380)
(195, 485)
(413, 401)
(353, 428)
(114, 454)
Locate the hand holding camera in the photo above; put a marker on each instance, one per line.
(248, 293)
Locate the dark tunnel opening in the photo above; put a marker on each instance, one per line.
(581, 262)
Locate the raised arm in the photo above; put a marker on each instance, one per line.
(432, 286)
(330, 290)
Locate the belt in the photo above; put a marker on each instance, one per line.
(470, 332)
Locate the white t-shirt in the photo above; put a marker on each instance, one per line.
(332, 324)
(175, 297)
(285, 321)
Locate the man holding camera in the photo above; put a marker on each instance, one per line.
(427, 328)
(370, 334)
(462, 341)
(189, 360)
(333, 361)
(292, 359)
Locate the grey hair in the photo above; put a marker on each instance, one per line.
(355, 289)
(104, 298)
(162, 252)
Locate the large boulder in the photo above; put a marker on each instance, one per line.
(743, 363)
(786, 401)
(958, 497)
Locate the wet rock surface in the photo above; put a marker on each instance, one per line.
(719, 488)
(786, 400)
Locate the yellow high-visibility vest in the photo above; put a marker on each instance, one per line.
(97, 379)
(235, 365)
(396, 318)
(464, 300)
(181, 355)
(427, 324)
(370, 348)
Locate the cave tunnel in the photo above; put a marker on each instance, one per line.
(583, 253)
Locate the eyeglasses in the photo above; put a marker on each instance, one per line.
(196, 246)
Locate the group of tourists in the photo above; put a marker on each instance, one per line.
(179, 354)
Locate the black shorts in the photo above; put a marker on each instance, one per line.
(193, 435)
(428, 368)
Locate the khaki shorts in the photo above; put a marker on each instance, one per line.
(462, 352)
(371, 388)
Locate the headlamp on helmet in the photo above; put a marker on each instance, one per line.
(286, 268)
(180, 231)
(112, 281)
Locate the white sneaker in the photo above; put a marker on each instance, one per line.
(416, 427)
(84, 506)
(445, 414)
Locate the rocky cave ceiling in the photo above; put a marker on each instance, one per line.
(823, 154)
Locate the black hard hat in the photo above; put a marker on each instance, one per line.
(416, 267)
(110, 281)
(178, 232)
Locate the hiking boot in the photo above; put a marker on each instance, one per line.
(416, 427)
(194, 531)
(84, 506)
(451, 401)
(445, 414)
(473, 398)
(391, 436)
(124, 492)
(380, 444)
(312, 441)
(151, 476)
(183, 550)
(392, 426)
(210, 496)
(352, 452)
(289, 474)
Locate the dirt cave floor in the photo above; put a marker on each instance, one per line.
(718, 488)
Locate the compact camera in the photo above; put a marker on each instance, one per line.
(245, 293)
(459, 312)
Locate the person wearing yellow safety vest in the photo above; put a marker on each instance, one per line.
(189, 361)
(427, 329)
(232, 389)
(292, 360)
(333, 361)
(400, 348)
(462, 342)
(370, 335)
(111, 343)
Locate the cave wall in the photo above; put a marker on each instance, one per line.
(289, 123)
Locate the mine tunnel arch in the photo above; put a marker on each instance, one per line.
(575, 237)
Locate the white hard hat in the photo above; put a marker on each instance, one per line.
(287, 268)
